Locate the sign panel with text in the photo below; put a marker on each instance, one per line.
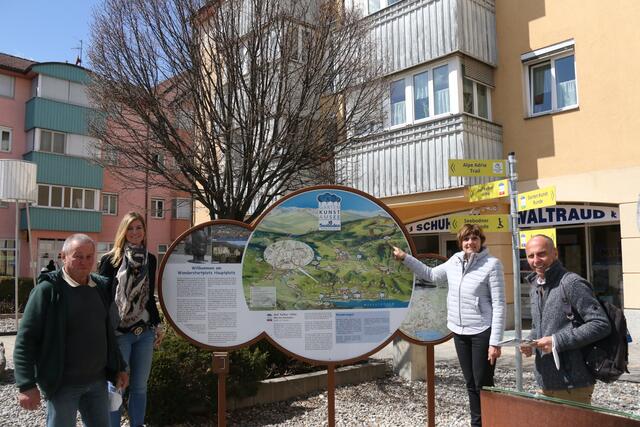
(201, 286)
(319, 267)
(490, 223)
(490, 190)
(535, 199)
(526, 235)
(476, 167)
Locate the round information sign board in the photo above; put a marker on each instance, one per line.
(318, 268)
(201, 289)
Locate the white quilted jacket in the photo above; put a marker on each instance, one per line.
(475, 300)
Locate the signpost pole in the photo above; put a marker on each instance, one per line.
(513, 198)
(221, 367)
(331, 395)
(16, 261)
(431, 387)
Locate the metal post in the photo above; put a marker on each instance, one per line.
(515, 243)
(331, 395)
(431, 387)
(32, 259)
(16, 260)
(220, 365)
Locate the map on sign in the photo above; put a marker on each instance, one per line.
(292, 262)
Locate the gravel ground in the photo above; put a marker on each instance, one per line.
(391, 401)
(8, 325)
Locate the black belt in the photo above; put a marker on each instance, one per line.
(136, 329)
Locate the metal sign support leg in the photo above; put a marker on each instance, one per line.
(331, 395)
(221, 367)
(431, 386)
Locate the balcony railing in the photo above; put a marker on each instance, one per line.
(414, 159)
(413, 32)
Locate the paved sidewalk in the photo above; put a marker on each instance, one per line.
(447, 351)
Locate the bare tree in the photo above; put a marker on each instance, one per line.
(236, 102)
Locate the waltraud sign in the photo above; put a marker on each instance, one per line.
(542, 217)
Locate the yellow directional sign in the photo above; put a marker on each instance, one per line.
(526, 235)
(489, 223)
(474, 167)
(490, 190)
(540, 198)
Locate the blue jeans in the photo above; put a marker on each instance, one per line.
(91, 400)
(137, 351)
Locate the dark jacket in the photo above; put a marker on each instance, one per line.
(548, 318)
(108, 270)
(39, 353)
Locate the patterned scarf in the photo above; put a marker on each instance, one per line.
(132, 292)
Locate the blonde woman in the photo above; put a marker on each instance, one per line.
(132, 270)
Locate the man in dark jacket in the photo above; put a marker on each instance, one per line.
(65, 344)
(564, 374)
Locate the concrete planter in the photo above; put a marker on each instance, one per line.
(284, 388)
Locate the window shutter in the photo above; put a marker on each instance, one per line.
(478, 71)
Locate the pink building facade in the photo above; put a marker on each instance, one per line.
(44, 114)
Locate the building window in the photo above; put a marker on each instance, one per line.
(7, 85)
(5, 139)
(428, 92)
(7, 257)
(109, 204)
(53, 196)
(398, 115)
(162, 251)
(475, 98)
(102, 248)
(372, 6)
(157, 208)
(109, 156)
(181, 208)
(158, 160)
(421, 95)
(52, 142)
(441, 89)
(551, 79)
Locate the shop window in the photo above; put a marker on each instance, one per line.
(571, 249)
(606, 262)
(550, 76)
(427, 244)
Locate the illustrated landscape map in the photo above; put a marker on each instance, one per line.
(299, 265)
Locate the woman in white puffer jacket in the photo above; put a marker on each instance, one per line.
(476, 308)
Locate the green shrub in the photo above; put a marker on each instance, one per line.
(7, 292)
(182, 383)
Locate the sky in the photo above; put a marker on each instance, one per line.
(46, 30)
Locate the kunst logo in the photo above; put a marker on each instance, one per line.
(329, 212)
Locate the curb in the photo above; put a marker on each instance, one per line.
(294, 386)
